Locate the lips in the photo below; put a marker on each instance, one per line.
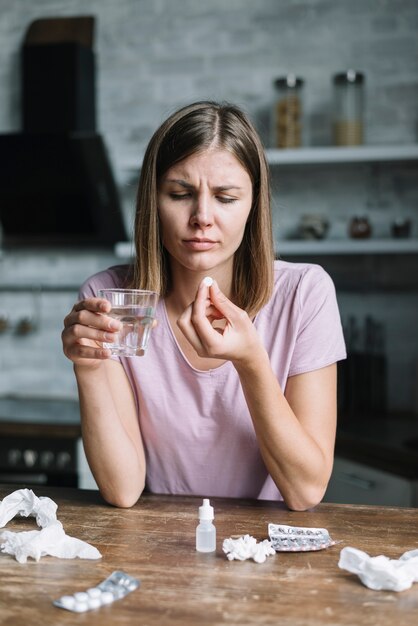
(199, 243)
(201, 240)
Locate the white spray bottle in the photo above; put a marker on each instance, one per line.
(206, 531)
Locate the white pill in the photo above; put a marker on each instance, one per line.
(81, 607)
(107, 597)
(94, 592)
(94, 603)
(208, 281)
(81, 596)
(67, 601)
(132, 586)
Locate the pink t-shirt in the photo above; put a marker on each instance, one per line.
(196, 427)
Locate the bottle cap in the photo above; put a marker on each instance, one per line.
(206, 511)
(291, 81)
(350, 76)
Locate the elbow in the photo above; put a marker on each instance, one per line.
(122, 499)
(121, 502)
(306, 499)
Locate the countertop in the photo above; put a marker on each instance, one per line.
(39, 416)
(155, 542)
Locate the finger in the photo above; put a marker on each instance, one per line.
(185, 324)
(77, 332)
(81, 351)
(89, 318)
(202, 315)
(202, 307)
(101, 305)
(228, 309)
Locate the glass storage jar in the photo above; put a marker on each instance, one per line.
(287, 112)
(348, 108)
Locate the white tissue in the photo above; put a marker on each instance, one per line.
(246, 547)
(50, 540)
(380, 572)
(24, 502)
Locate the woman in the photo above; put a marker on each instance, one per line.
(236, 395)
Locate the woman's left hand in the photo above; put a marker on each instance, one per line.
(217, 328)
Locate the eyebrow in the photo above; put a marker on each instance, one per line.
(187, 185)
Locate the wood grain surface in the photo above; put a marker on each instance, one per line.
(155, 542)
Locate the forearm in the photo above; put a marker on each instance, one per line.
(113, 447)
(297, 464)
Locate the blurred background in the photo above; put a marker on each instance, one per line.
(332, 87)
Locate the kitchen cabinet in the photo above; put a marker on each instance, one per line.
(355, 483)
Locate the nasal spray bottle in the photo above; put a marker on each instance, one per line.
(206, 531)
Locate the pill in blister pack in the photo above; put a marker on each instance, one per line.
(298, 539)
(115, 587)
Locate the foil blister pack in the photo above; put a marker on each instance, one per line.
(114, 587)
(298, 538)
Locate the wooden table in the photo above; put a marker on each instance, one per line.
(155, 541)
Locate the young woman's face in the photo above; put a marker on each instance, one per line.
(203, 203)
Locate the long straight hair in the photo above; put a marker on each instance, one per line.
(189, 130)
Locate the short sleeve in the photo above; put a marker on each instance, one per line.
(114, 277)
(319, 338)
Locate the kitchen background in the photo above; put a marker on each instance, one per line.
(151, 57)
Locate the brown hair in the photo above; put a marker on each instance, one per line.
(189, 130)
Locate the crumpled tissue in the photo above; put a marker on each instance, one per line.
(246, 547)
(50, 540)
(380, 572)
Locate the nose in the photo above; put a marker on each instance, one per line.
(202, 215)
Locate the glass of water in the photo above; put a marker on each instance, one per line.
(135, 309)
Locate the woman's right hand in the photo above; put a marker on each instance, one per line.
(86, 327)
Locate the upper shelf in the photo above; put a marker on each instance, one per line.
(346, 246)
(331, 154)
(355, 154)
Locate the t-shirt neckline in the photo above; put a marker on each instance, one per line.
(209, 372)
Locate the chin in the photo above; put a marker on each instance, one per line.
(200, 262)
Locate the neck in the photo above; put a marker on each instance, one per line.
(185, 284)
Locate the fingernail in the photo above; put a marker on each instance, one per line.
(109, 337)
(114, 324)
(208, 281)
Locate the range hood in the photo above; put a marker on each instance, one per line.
(56, 181)
(58, 189)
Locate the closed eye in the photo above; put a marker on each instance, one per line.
(184, 196)
(226, 200)
(179, 196)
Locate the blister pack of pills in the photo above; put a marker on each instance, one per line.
(114, 587)
(298, 539)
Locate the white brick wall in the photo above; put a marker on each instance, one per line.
(152, 56)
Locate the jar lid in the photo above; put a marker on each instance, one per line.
(350, 76)
(291, 81)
